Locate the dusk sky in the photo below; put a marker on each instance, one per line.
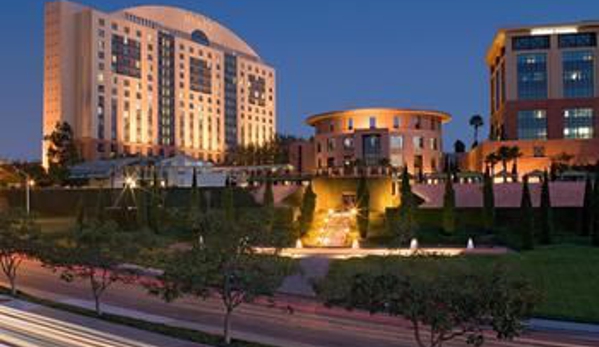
(329, 55)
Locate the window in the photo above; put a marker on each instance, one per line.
(538, 151)
(372, 122)
(396, 160)
(371, 149)
(417, 122)
(318, 147)
(526, 43)
(578, 123)
(578, 74)
(433, 144)
(418, 142)
(350, 124)
(577, 40)
(532, 125)
(532, 76)
(348, 143)
(330, 145)
(396, 122)
(396, 142)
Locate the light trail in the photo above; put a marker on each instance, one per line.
(24, 329)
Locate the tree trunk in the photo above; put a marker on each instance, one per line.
(227, 326)
(97, 305)
(13, 286)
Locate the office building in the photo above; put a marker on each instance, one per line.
(544, 95)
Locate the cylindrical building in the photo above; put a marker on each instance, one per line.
(379, 136)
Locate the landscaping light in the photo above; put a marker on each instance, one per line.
(31, 183)
(353, 211)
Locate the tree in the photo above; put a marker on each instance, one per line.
(307, 210)
(488, 201)
(459, 147)
(268, 200)
(491, 161)
(62, 152)
(514, 155)
(228, 204)
(526, 222)
(363, 199)
(476, 121)
(19, 238)
(445, 304)
(449, 218)
(225, 264)
(407, 206)
(546, 212)
(595, 222)
(503, 154)
(587, 208)
(95, 254)
(193, 213)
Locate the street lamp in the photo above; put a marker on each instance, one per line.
(29, 183)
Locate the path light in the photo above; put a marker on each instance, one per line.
(130, 182)
(470, 244)
(414, 244)
(298, 244)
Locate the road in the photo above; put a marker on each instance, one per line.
(309, 325)
(20, 328)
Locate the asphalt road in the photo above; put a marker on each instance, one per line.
(309, 325)
(24, 328)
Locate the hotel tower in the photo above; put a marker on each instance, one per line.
(155, 81)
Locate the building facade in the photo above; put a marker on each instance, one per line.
(379, 137)
(544, 93)
(153, 80)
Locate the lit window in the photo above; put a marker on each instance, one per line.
(532, 125)
(578, 123)
(396, 142)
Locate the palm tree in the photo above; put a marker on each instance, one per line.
(515, 153)
(476, 121)
(504, 155)
(491, 161)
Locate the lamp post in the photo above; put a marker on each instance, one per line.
(28, 184)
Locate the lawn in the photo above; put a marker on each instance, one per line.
(566, 276)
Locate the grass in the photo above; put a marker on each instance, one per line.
(566, 276)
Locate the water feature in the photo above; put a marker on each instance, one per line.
(414, 244)
(470, 244)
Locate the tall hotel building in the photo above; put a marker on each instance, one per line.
(153, 80)
(544, 93)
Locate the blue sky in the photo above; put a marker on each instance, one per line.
(329, 54)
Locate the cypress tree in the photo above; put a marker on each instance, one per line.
(488, 201)
(363, 197)
(526, 218)
(80, 220)
(268, 199)
(546, 212)
(194, 200)
(587, 208)
(228, 204)
(449, 218)
(595, 213)
(101, 206)
(407, 220)
(307, 210)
